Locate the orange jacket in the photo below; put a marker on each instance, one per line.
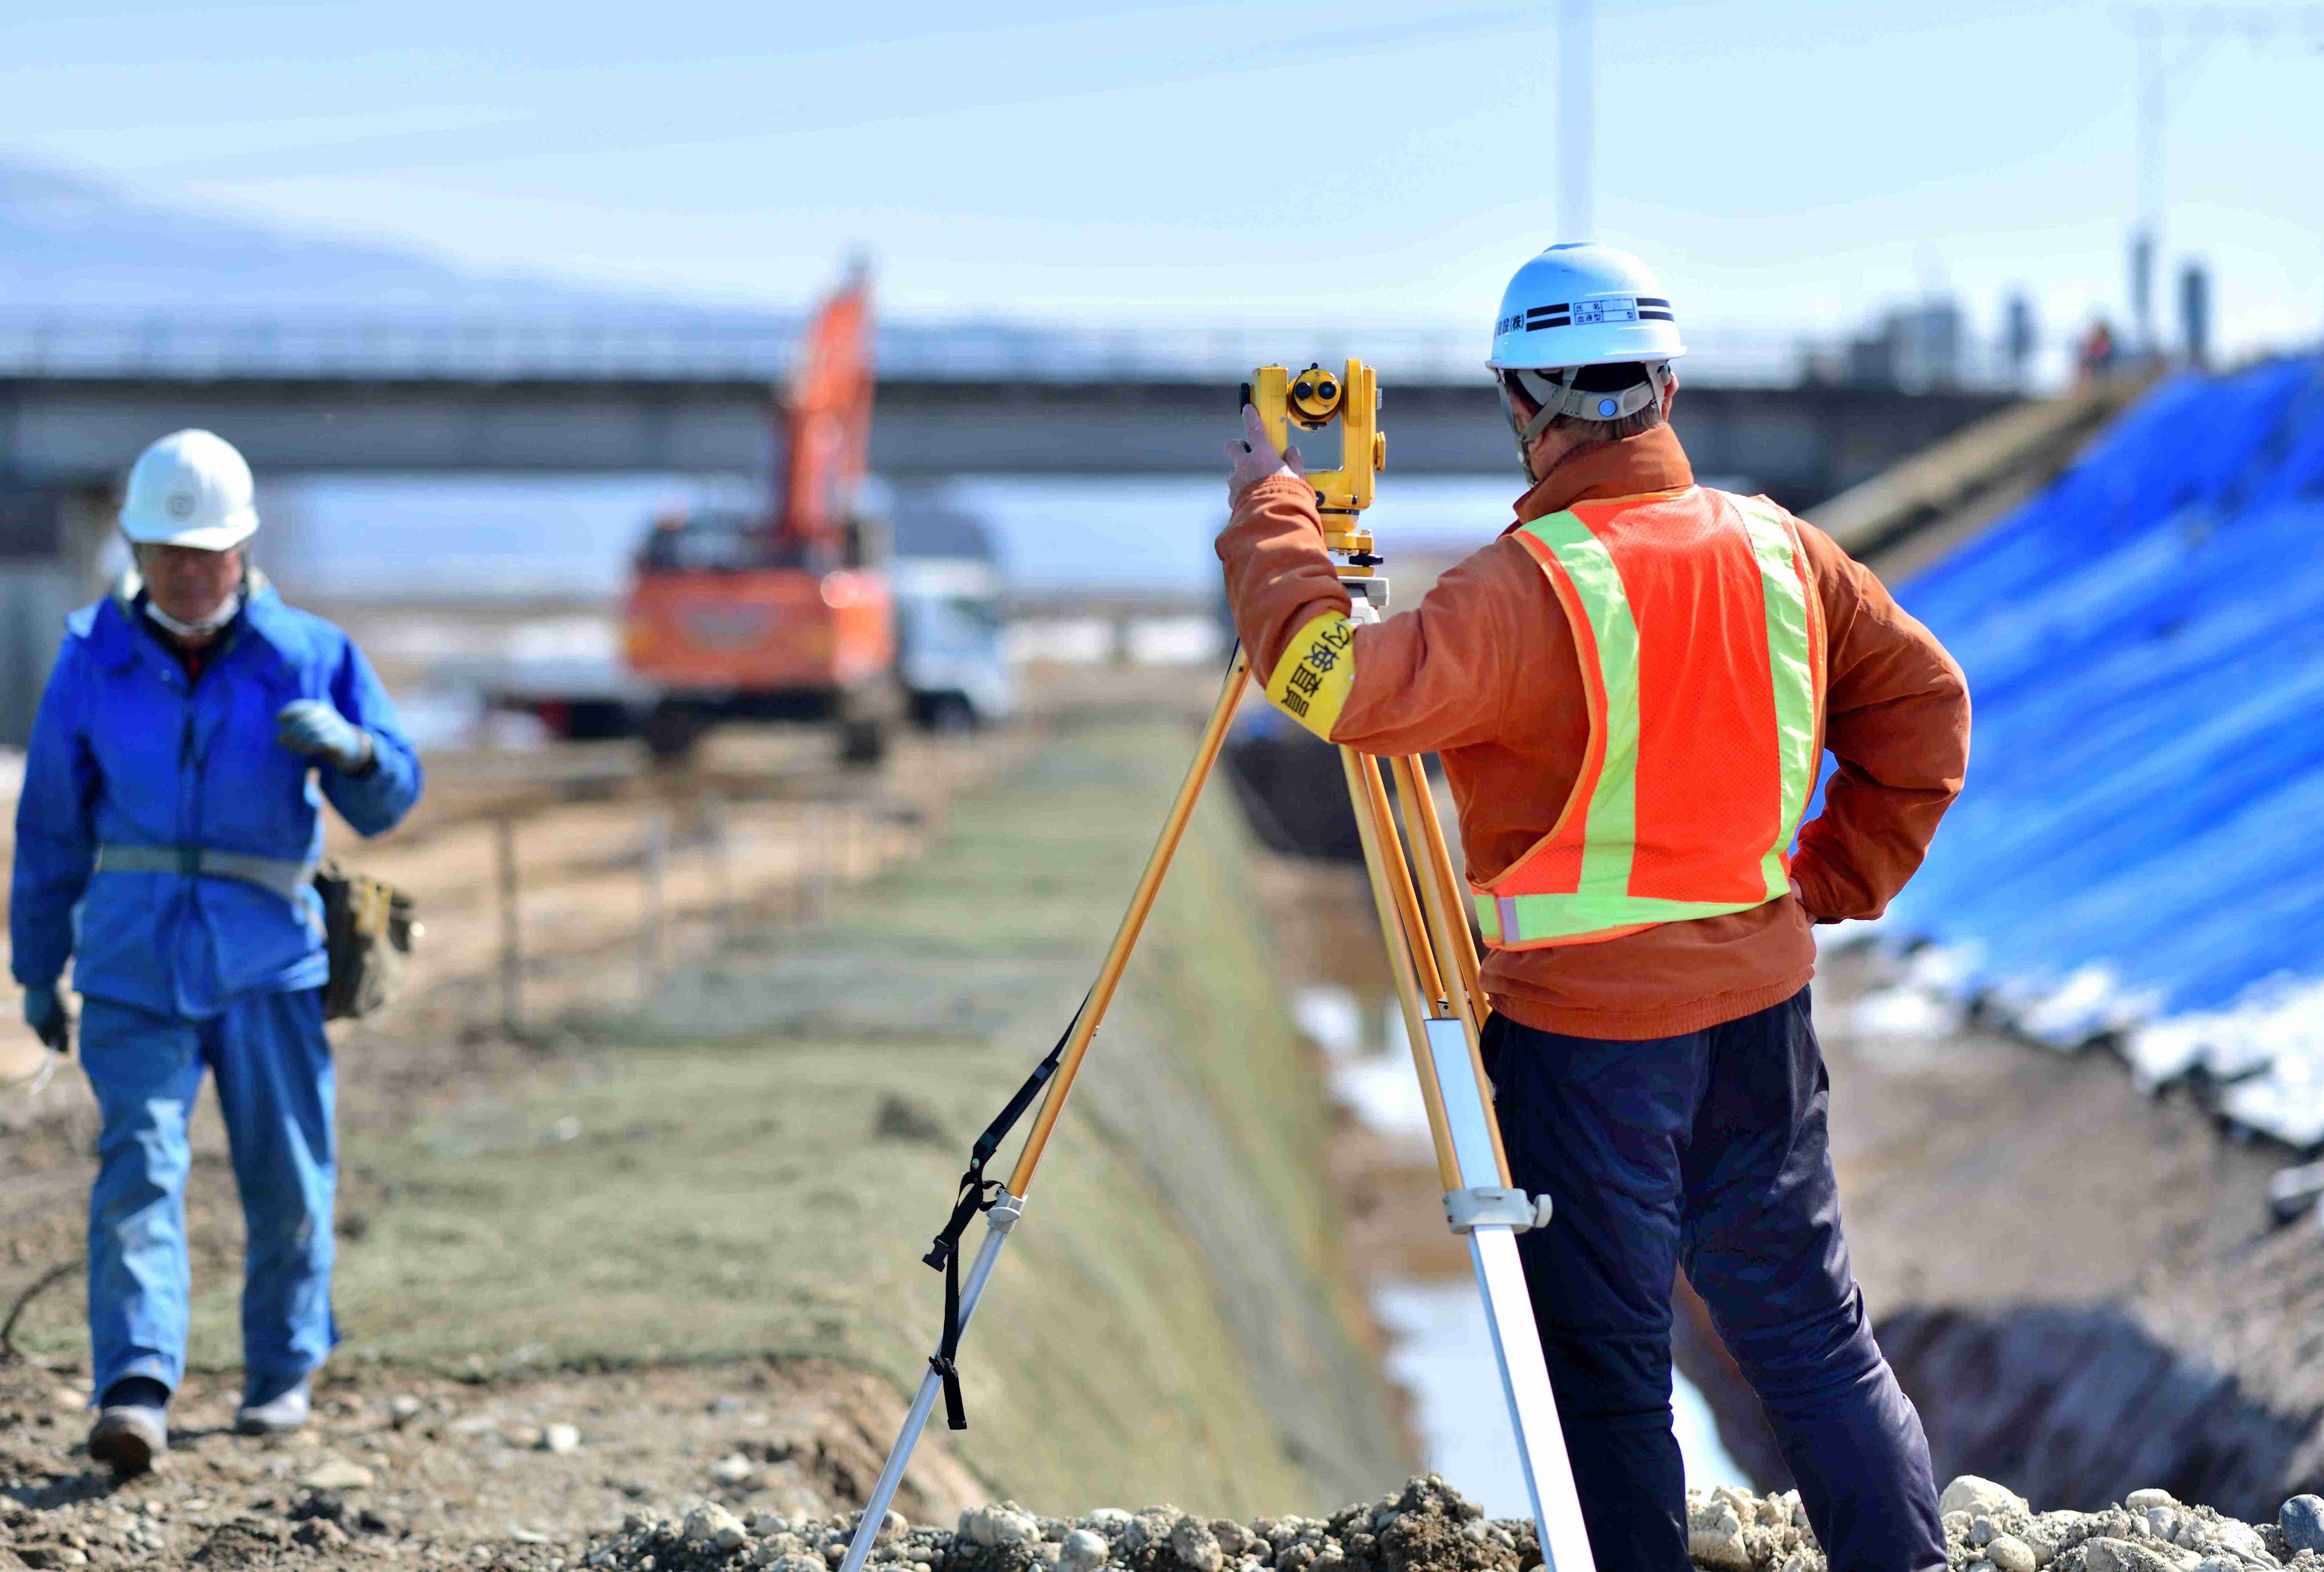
(1484, 672)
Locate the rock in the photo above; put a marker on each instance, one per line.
(336, 1473)
(1981, 1532)
(2112, 1555)
(798, 1564)
(733, 1470)
(2008, 1553)
(560, 1438)
(998, 1524)
(1714, 1537)
(404, 1407)
(2239, 1540)
(319, 1533)
(1971, 1494)
(1196, 1548)
(524, 1437)
(1084, 1550)
(2303, 1523)
(2147, 1499)
(712, 1525)
(1150, 1527)
(1107, 1522)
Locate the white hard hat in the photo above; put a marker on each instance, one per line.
(1582, 304)
(192, 488)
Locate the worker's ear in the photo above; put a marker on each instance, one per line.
(1670, 394)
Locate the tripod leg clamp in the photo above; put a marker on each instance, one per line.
(1484, 1205)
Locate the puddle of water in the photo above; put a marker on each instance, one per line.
(1443, 1357)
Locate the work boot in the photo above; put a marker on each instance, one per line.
(133, 1427)
(277, 1416)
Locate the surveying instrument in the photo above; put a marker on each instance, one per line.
(1432, 962)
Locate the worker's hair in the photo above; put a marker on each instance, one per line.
(1611, 379)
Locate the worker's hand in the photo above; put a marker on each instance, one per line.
(311, 727)
(1255, 458)
(45, 1013)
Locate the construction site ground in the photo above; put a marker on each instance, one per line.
(681, 1211)
(660, 1244)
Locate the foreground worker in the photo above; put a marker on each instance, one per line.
(1628, 689)
(165, 840)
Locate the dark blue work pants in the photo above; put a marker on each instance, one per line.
(1706, 1150)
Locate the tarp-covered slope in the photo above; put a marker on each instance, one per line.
(2141, 845)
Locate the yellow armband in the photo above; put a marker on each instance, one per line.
(1311, 680)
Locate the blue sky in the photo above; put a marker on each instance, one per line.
(1792, 164)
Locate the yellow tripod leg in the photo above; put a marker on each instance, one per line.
(1479, 1200)
(1133, 922)
(1003, 1213)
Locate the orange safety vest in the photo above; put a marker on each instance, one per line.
(1702, 656)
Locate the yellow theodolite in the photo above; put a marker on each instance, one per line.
(1311, 400)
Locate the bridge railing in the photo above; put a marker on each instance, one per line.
(152, 346)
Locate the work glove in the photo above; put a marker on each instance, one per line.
(45, 1013)
(311, 727)
(1255, 457)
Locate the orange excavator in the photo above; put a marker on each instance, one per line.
(785, 614)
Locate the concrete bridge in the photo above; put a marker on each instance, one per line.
(79, 396)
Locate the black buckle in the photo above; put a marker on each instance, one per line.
(190, 861)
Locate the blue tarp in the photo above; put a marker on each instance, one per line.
(2145, 645)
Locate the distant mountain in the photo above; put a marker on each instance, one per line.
(69, 241)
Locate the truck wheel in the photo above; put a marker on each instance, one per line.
(863, 743)
(949, 712)
(671, 729)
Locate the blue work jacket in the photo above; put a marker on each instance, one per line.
(127, 751)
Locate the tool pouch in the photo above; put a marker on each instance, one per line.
(368, 933)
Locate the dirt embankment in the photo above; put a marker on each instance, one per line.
(675, 1253)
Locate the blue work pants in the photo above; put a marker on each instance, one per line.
(1709, 1150)
(275, 1090)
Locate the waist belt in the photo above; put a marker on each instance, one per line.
(284, 878)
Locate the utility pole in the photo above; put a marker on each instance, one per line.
(2197, 30)
(1576, 118)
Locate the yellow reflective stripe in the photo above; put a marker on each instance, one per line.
(1489, 915)
(1318, 668)
(1790, 665)
(1539, 918)
(1611, 830)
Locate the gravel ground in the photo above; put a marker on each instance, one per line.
(1430, 1528)
(399, 1465)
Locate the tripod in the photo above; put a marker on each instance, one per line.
(1433, 965)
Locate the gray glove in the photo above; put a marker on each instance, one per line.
(311, 727)
(45, 1013)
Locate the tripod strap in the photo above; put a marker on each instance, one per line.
(977, 1194)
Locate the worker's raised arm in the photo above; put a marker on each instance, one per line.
(1414, 683)
(1897, 723)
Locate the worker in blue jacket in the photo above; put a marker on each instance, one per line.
(169, 823)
